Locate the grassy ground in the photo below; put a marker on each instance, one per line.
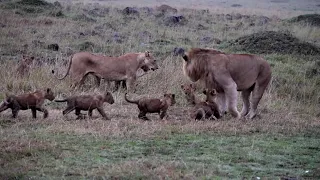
(282, 143)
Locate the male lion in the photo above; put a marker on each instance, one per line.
(33, 101)
(87, 103)
(110, 68)
(229, 73)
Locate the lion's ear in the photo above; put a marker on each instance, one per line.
(147, 54)
(48, 90)
(181, 86)
(185, 57)
(32, 57)
(173, 96)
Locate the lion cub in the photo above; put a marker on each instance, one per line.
(189, 90)
(87, 103)
(208, 109)
(153, 105)
(33, 101)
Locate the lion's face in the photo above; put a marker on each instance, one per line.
(150, 62)
(49, 94)
(190, 68)
(211, 95)
(188, 89)
(171, 98)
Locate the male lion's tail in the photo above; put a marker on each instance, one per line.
(62, 100)
(130, 101)
(70, 62)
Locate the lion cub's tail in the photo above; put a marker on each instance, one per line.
(62, 100)
(130, 101)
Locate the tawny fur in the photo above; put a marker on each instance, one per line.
(33, 101)
(229, 73)
(153, 105)
(189, 92)
(24, 66)
(120, 68)
(207, 109)
(87, 103)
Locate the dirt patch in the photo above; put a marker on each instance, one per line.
(269, 42)
(312, 19)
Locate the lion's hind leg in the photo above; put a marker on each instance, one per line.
(246, 102)
(256, 96)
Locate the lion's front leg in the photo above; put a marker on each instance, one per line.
(232, 99)
(221, 101)
(130, 82)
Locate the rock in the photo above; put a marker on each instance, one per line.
(130, 11)
(53, 47)
(166, 9)
(175, 20)
(178, 51)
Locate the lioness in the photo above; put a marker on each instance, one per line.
(153, 105)
(87, 103)
(110, 68)
(207, 109)
(33, 101)
(229, 73)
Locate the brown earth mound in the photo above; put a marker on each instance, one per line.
(273, 42)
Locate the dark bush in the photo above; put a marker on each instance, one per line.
(34, 3)
(312, 19)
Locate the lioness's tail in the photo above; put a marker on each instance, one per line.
(70, 62)
(130, 101)
(62, 100)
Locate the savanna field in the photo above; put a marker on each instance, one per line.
(283, 142)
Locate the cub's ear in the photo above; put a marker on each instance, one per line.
(32, 57)
(48, 90)
(147, 54)
(181, 86)
(185, 57)
(173, 96)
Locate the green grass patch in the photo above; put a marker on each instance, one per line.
(63, 155)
